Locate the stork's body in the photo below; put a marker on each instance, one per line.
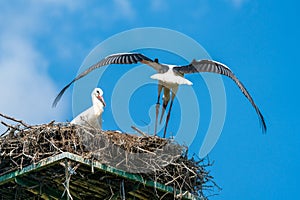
(168, 82)
(92, 117)
(169, 78)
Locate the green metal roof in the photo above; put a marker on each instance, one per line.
(89, 178)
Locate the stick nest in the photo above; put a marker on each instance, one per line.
(154, 158)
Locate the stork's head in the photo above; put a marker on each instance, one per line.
(98, 94)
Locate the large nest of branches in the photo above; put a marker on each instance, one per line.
(158, 159)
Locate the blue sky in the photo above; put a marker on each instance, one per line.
(44, 43)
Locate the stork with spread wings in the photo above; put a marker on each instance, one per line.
(169, 78)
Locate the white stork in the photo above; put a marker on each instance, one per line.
(92, 117)
(169, 78)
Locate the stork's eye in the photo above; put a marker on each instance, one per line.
(98, 91)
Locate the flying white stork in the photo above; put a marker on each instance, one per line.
(92, 117)
(169, 78)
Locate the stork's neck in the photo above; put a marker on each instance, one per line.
(97, 106)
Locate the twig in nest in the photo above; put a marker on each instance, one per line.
(180, 195)
(51, 123)
(139, 131)
(144, 150)
(10, 126)
(188, 168)
(53, 145)
(28, 145)
(15, 120)
(5, 131)
(174, 179)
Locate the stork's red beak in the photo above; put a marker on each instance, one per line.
(102, 100)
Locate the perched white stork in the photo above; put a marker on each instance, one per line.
(169, 78)
(92, 117)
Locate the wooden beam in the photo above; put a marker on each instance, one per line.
(34, 187)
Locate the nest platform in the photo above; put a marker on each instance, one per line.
(63, 161)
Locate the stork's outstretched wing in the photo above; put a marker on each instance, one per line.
(219, 68)
(122, 58)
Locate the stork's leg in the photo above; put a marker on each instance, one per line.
(166, 100)
(174, 91)
(157, 107)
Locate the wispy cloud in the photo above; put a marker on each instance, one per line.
(26, 89)
(123, 9)
(109, 13)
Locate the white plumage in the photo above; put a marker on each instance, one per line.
(92, 117)
(169, 78)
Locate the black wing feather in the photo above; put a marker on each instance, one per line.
(219, 68)
(123, 58)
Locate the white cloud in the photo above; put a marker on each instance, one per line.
(26, 89)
